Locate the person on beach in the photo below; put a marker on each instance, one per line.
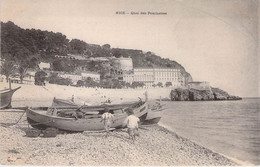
(108, 119)
(132, 124)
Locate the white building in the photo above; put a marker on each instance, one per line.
(125, 63)
(44, 66)
(93, 75)
(145, 75)
(199, 85)
(128, 77)
(164, 75)
(151, 76)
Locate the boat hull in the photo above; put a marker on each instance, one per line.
(6, 98)
(39, 119)
(151, 121)
(140, 108)
(153, 116)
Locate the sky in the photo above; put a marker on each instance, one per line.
(215, 41)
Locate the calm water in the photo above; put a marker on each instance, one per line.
(228, 127)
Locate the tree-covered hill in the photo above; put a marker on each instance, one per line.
(30, 46)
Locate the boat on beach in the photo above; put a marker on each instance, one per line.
(147, 115)
(154, 115)
(6, 97)
(82, 118)
(43, 118)
(140, 108)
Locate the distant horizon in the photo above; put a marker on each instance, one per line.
(251, 97)
(215, 41)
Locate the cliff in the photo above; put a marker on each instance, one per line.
(200, 95)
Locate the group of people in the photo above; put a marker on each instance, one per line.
(131, 123)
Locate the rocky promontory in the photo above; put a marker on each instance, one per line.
(189, 94)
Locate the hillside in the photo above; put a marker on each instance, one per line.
(31, 46)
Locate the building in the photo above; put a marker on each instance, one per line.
(72, 57)
(165, 75)
(199, 85)
(125, 63)
(145, 75)
(84, 75)
(77, 57)
(74, 77)
(30, 77)
(93, 75)
(128, 77)
(153, 76)
(44, 66)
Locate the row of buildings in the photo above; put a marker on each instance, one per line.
(125, 72)
(149, 76)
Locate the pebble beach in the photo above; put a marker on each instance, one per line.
(156, 146)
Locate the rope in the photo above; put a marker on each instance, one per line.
(16, 123)
(11, 124)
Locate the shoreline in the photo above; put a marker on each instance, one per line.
(155, 146)
(239, 162)
(31, 95)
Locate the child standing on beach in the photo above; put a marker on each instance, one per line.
(132, 124)
(108, 118)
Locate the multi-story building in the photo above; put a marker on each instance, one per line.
(127, 77)
(164, 75)
(145, 75)
(153, 76)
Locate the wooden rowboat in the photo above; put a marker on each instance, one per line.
(6, 97)
(140, 108)
(146, 115)
(88, 119)
(40, 118)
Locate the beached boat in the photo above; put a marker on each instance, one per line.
(147, 115)
(42, 118)
(154, 114)
(62, 102)
(153, 117)
(78, 119)
(6, 97)
(140, 108)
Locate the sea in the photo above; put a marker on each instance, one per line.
(231, 128)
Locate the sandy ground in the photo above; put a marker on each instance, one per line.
(155, 146)
(32, 95)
